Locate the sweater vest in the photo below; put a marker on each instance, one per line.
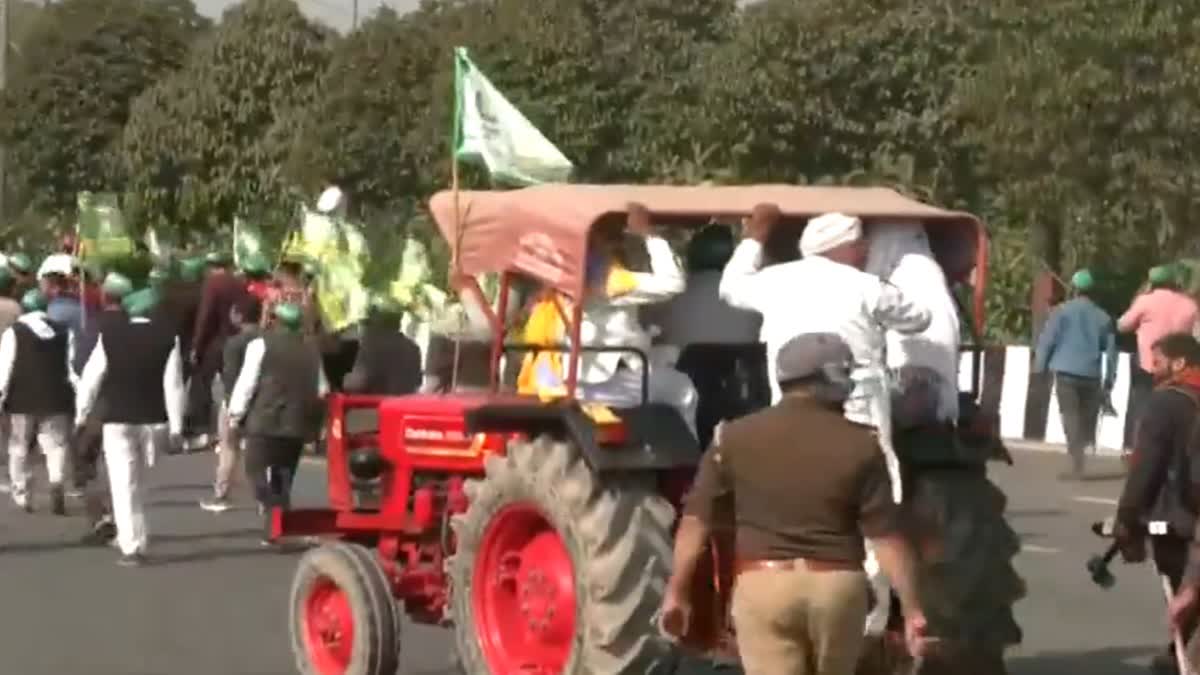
(40, 384)
(286, 401)
(137, 353)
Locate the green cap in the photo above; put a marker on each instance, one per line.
(191, 269)
(140, 303)
(116, 285)
(288, 314)
(256, 264)
(20, 262)
(384, 305)
(33, 300)
(1083, 280)
(1163, 274)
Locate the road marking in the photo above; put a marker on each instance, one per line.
(1108, 501)
(1033, 548)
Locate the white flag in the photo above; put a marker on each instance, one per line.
(490, 130)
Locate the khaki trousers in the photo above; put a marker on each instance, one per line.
(799, 622)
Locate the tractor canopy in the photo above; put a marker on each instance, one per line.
(542, 231)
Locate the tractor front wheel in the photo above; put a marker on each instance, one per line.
(558, 571)
(344, 618)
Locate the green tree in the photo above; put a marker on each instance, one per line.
(209, 142)
(80, 64)
(1087, 113)
(361, 131)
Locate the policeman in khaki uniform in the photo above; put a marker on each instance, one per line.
(801, 596)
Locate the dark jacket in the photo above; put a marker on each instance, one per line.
(1165, 467)
(40, 384)
(287, 401)
(388, 364)
(233, 356)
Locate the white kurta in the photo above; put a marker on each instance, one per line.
(51, 433)
(817, 295)
(615, 322)
(900, 253)
(129, 448)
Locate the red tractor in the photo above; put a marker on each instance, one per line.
(542, 536)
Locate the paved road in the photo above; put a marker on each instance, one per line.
(215, 602)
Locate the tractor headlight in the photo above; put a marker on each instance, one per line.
(366, 464)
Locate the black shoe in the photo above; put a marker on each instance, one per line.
(132, 560)
(58, 501)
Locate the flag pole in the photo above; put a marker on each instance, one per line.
(456, 253)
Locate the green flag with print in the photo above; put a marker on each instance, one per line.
(102, 231)
(489, 130)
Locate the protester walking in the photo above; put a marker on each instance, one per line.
(1162, 310)
(220, 291)
(136, 368)
(800, 596)
(1078, 344)
(10, 311)
(37, 395)
(1160, 487)
(87, 445)
(277, 404)
(246, 315)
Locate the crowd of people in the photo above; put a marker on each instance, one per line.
(102, 376)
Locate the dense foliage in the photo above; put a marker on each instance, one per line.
(1067, 124)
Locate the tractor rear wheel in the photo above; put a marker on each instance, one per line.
(557, 571)
(344, 618)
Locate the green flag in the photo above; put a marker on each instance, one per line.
(102, 232)
(247, 241)
(491, 131)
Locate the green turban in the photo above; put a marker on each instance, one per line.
(256, 264)
(288, 314)
(33, 300)
(116, 285)
(140, 303)
(20, 262)
(1163, 274)
(192, 269)
(384, 305)
(1083, 280)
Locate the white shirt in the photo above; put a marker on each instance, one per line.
(818, 295)
(614, 322)
(247, 381)
(900, 253)
(37, 322)
(92, 378)
(698, 315)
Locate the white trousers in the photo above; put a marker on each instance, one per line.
(52, 434)
(624, 390)
(128, 450)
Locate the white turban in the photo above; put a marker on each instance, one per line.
(827, 232)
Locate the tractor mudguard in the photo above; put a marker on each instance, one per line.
(655, 435)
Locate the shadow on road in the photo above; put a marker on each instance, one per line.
(1110, 661)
